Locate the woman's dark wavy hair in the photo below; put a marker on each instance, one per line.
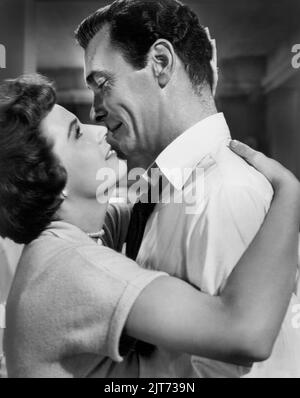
(31, 177)
(135, 25)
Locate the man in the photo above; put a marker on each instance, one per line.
(149, 66)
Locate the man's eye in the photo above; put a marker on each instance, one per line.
(103, 85)
(78, 133)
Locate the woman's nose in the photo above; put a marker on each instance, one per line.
(102, 134)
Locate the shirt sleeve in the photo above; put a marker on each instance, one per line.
(229, 222)
(84, 302)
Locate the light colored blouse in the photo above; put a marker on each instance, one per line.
(68, 306)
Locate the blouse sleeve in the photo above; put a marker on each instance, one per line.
(83, 302)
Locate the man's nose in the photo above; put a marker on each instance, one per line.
(110, 139)
(98, 115)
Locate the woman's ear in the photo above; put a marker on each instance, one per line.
(163, 59)
(64, 194)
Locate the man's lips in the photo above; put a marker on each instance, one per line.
(118, 151)
(120, 154)
(114, 142)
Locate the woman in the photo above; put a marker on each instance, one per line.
(77, 308)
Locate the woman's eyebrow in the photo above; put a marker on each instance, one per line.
(73, 123)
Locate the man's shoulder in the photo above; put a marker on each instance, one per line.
(234, 175)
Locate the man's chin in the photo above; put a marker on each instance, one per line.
(120, 154)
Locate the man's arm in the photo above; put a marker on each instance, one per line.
(243, 322)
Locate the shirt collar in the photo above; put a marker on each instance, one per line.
(181, 157)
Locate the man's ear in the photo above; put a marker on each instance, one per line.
(163, 59)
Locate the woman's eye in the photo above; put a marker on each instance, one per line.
(78, 133)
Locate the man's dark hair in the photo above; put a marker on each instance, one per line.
(135, 25)
(31, 177)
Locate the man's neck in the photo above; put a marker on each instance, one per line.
(179, 122)
(176, 120)
(196, 116)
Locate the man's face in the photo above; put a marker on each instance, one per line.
(126, 100)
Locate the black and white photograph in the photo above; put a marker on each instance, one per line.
(149, 191)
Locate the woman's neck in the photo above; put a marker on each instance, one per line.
(86, 214)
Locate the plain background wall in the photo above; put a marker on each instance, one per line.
(283, 124)
(12, 14)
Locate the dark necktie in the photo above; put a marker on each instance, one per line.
(140, 215)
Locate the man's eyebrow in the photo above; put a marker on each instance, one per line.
(71, 126)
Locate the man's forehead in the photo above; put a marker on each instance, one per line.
(101, 56)
(98, 52)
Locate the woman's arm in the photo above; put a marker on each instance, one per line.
(240, 325)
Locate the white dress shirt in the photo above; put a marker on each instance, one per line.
(202, 243)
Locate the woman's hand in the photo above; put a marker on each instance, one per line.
(278, 175)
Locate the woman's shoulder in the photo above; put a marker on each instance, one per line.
(44, 250)
(54, 264)
(55, 259)
(51, 272)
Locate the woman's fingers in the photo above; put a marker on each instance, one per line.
(250, 155)
(271, 169)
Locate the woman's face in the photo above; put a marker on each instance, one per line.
(83, 151)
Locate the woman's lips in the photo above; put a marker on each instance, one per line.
(110, 153)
